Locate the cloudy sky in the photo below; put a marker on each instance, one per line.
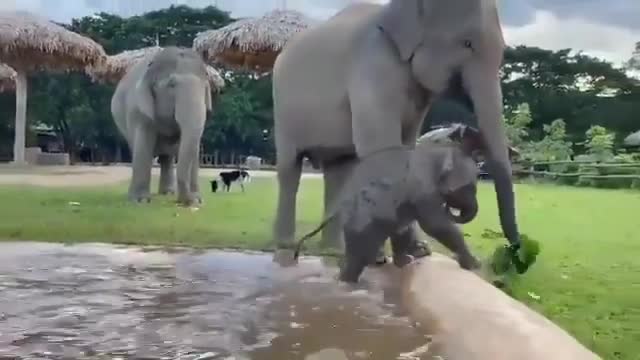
(603, 28)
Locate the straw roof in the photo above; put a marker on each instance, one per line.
(7, 78)
(251, 42)
(116, 66)
(30, 42)
(633, 139)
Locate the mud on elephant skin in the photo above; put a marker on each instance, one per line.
(437, 178)
(376, 69)
(160, 107)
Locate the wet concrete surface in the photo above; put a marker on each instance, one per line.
(103, 302)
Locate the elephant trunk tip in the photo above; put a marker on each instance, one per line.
(462, 215)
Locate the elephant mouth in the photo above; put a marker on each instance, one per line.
(459, 215)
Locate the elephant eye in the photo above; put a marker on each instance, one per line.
(468, 44)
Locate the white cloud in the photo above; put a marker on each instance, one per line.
(614, 43)
(547, 31)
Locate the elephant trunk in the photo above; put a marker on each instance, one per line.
(467, 213)
(485, 92)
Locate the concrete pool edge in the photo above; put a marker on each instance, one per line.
(473, 320)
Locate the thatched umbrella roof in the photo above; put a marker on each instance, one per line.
(30, 42)
(633, 139)
(116, 66)
(252, 42)
(7, 78)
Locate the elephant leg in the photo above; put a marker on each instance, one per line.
(143, 146)
(406, 246)
(195, 177)
(335, 177)
(167, 183)
(360, 250)
(289, 173)
(188, 153)
(352, 267)
(448, 234)
(414, 246)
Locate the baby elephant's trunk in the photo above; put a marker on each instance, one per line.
(465, 201)
(467, 213)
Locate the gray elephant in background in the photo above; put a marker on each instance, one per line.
(364, 80)
(160, 107)
(437, 189)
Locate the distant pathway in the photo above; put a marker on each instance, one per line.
(63, 176)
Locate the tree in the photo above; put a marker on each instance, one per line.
(516, 125)
(599, 143)
(553, 146)
(634, 61)
(580, 89)
(242, 120)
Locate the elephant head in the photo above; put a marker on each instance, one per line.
(449, 166)
(459, 44)
(175, 82)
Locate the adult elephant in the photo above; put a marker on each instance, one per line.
(160, 107)
(363, 81)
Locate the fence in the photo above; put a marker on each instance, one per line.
(613, 175)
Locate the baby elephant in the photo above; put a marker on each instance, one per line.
(440, 179)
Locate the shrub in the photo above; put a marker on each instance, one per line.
(516, 125)
(609, 181)
(600, 143)
(619, 169)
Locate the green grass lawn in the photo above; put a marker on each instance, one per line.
(587, 276)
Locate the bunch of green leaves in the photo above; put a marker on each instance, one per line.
(505, 259)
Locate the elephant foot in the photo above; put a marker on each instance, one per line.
(140, 199)
(469, 262)
(167, 191)
(189, 200)
(402, 260)
(420, 249)
(284, 257)
(351, 269)
(381, 258)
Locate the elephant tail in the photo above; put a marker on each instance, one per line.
(312, 234)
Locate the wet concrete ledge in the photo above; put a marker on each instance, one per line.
(471, 319)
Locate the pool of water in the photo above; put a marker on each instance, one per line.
(105, 302)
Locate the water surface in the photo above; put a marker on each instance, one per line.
(104, 302)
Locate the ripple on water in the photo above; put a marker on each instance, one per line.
(98, 301)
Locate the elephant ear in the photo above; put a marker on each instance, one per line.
(402, 21)
(373, 202)
(469, 138)
(446, 169)
(458, 169)
(144, 98)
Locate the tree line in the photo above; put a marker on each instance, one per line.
(564, 92)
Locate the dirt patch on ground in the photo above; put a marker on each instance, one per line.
(63, 176)
(66, 176)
